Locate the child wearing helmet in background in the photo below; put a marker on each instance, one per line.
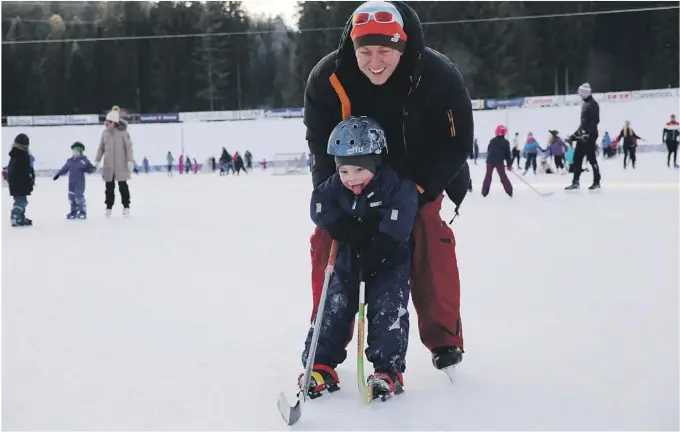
(497, 153)
(370, 212)
(76, 166)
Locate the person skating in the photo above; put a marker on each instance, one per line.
(497, 153)
(586, 138)
(76, 167)
(557, 150)
(516, 153)
(20, 179)
(249, 160)
(383, 70)
(115, 148)
(530, 151)
(630, 140)
(370, 211)
(170, 159)
(670, 138)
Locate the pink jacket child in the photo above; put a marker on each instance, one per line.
(195, 166)
(181, 164)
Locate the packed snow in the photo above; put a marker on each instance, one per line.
(191, 313)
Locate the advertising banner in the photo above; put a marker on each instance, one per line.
(207, 116)
(53, 120)
(82, 119)
(20, 121)
(652, 94)
(159, 118)
(250, 114)
(477, 104)
(541, 101)
(283, 113)
(508, 103)
(616, 96)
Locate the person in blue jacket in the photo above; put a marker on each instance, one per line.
(530, 152)
(370, 212)
(76, 166)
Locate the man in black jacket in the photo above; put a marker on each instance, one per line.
(383, 70)
(586, 136)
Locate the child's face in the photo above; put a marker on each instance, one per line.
(75, 153)
(355, 178)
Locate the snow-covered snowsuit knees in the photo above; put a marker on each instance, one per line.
(76, 167)
(116, 149)
(386, 209)
(425, 110)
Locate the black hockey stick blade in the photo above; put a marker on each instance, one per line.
(290, 414)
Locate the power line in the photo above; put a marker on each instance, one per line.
(310, 30)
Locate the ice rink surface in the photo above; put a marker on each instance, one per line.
(191, 313)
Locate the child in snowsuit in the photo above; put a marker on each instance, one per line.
(21, 179)
(76, 166)
(497, 153)
(370, 212)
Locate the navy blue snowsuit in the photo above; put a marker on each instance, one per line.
(76, 167)
(390, 204)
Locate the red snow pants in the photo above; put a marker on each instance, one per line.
(435, 283)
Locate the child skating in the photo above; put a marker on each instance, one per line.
(76, 166)
(370, 212)
(21, 179)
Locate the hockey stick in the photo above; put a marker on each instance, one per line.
(291, 414)
(365, 391)
(543, 194)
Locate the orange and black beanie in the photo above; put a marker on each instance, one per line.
(378, 23)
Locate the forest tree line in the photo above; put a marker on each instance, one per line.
(266, 63)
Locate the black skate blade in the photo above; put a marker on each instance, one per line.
(290, 414)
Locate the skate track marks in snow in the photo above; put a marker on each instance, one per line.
(191, 313)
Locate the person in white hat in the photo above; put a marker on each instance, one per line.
(586, 137)
(115, 148)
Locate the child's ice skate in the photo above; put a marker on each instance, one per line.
(72, 214)
(82, 214)
(24, 221)
(385, 385)
(107, 213)
(126, 211)
(323, 378)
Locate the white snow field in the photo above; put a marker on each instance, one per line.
(191, 313)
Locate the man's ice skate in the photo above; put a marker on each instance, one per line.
(446, 359)
(82, 215)
(323, 378)
(107, 213)
(126, 211)
(71, 215)
(594, 186)
(386, 385)
(575, 185)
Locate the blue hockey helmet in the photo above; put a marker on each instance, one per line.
(357, 136)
